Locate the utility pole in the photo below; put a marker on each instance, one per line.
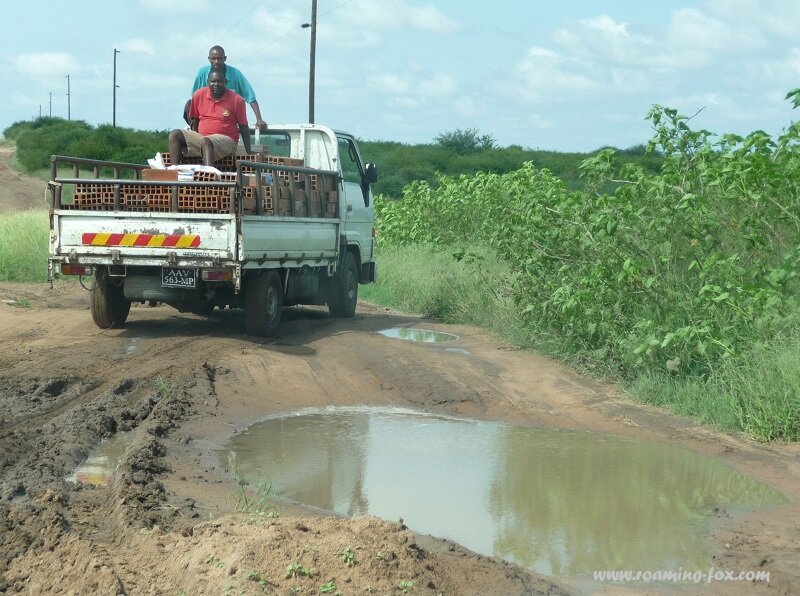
(114, 109)
(51, 104)
(312, 60)
(40, 110)
(68, 100)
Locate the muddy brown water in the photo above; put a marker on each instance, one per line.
(556, 502)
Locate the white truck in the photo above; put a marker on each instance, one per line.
(291, 223)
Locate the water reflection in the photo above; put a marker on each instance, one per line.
(421, 335)
(99, 467)
(560, 503)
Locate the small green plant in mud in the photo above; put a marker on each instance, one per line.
(329, 588)
(405, 585)
(163, 388)
(297, 570)
(348, 556)
(20, 303)
(215, 561)
(256, 576)
(258, 500)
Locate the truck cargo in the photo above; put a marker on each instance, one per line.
(290, 223)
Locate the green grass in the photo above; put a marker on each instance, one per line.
(473, 289)
(24, 237)
(456, 286)
(758, 394)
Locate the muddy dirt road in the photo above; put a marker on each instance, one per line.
(184, 384)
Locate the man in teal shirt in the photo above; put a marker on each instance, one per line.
(237, 82)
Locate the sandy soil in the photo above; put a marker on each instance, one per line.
(17, 191)
(167, 525)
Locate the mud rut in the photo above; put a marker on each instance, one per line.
(186, 383)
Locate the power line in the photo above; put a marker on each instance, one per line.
(241, 19)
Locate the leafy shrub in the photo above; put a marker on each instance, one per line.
(38, 140)
(674, 272)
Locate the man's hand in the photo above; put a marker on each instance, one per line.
(262, 126)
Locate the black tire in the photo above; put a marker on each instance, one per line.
(263, 302)
(343, 293)
(108, 304)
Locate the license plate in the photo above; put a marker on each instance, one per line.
(178, 277)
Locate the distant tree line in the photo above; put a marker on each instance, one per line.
(451, 153)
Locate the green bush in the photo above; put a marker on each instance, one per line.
(37, 140)
(677, 271)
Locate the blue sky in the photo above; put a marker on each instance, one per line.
(568, 76)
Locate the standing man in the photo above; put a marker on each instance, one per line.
(217, 118)
(237, 82)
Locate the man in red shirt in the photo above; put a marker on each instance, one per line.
(218, 117)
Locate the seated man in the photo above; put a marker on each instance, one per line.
(218, 116)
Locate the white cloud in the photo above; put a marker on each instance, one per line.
(771, 17)
(138, 45)
(540, 122)
(543, 71)
(694, 39)
(390, 83)
(186, 7)
(398, 14)
(46, 64)
(414, 91)
(602, 38)
(438, 85)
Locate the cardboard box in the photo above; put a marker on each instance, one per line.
(148, 174)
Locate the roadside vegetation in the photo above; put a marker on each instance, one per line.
(671, 268)
(23, 246)
(450, 153)
(682, 285)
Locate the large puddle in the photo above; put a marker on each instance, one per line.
(556, 502)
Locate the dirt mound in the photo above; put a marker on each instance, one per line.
(18, 192)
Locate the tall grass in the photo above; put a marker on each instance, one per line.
(758, 393)
(24, 237)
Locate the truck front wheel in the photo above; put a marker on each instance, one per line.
(263, 301)
(343, 292)
(108, 304)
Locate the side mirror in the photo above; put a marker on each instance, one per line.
(371, 171)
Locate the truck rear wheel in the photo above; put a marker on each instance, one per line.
(263, 301)
(109, 306)
(343, 293)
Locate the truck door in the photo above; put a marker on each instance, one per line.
(358, 212)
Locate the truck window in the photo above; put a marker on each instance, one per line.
(275, 142)
(348, 158)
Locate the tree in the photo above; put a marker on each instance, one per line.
(465, 141)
